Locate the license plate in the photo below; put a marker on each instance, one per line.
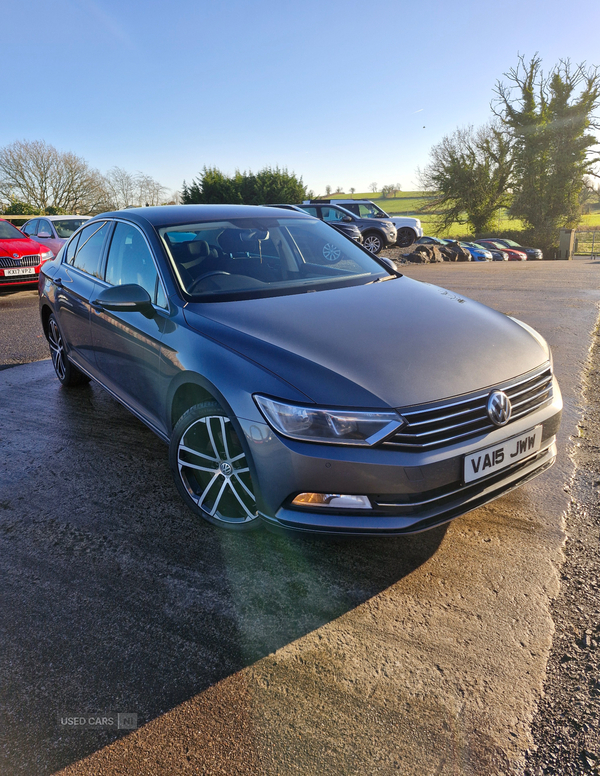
(20, 271)
(493, 459)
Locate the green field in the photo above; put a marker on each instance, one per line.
(411, 203)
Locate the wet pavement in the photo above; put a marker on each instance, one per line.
(260, 653)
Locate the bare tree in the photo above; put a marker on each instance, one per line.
(373, 187)
(352, 191)
(36, 173)
(126, 189)
(328, 190)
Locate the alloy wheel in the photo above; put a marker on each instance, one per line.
(57, 350)
(214, 471)
(373, 243)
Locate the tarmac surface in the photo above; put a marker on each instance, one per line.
(260, 653)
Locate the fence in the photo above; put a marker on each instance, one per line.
(587, 242)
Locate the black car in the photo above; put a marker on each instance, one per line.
(250, 340)
(377, 233)
(350, 230)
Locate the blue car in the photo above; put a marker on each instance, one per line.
(477, 252)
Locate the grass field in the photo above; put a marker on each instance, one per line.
(411, 203)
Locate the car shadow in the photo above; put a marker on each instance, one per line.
(117, 599)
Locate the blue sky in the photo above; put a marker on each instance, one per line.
(341, 93)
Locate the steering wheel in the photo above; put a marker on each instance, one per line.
(207, 275)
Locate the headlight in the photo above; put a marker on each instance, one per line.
(47, 255)
(334, 427)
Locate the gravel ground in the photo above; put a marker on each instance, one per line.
(567, 727)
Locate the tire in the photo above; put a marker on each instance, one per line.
(373, 242)
(406, 237)
(211, 469)
(67, 373)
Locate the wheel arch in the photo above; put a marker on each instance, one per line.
(189, 389)
(45, 313)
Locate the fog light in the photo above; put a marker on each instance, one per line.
(335, 500)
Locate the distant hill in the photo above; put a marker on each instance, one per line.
(412, 203)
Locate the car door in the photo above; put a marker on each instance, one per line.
(77, 280)
(127, 344)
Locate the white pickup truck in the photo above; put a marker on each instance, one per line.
(409, 229)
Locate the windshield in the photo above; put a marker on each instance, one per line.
(249, 258)
(10, 232)
(371, 210)
(67, 227)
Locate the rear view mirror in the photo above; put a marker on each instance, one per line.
(249, 235)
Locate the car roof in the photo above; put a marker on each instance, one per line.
(63, 218)
(172, 215)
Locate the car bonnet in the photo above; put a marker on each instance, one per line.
(393, 343)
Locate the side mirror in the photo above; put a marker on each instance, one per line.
(44, 234)
(125, 299)
(347, 219)
(388, 263)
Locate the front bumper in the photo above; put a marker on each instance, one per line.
(18, 279)
(409, 491)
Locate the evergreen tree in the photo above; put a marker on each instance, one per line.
(269, 186)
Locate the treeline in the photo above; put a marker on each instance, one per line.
(37, 178)
(535, 157)
(269, 186)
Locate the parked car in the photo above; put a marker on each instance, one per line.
(497, 254)
(478, 252)
(514, 254)
(426, 240)
(227, 330)
(533, 254)
(408, 229)
(20, 257)
(350, 230)
(377, 234)
(53, 231)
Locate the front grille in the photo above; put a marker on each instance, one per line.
(6, 262)
(436, 425)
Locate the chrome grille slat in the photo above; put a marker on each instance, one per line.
(429, 427)
(529, 388)
(7, 262)
(441, 430)
(530, 398)
(436, 419)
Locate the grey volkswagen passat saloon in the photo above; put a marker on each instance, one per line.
(298, 380)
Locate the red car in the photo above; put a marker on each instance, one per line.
(20, 257)
(514, 254)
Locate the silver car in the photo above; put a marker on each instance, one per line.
(53, 231)
(299, 380)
